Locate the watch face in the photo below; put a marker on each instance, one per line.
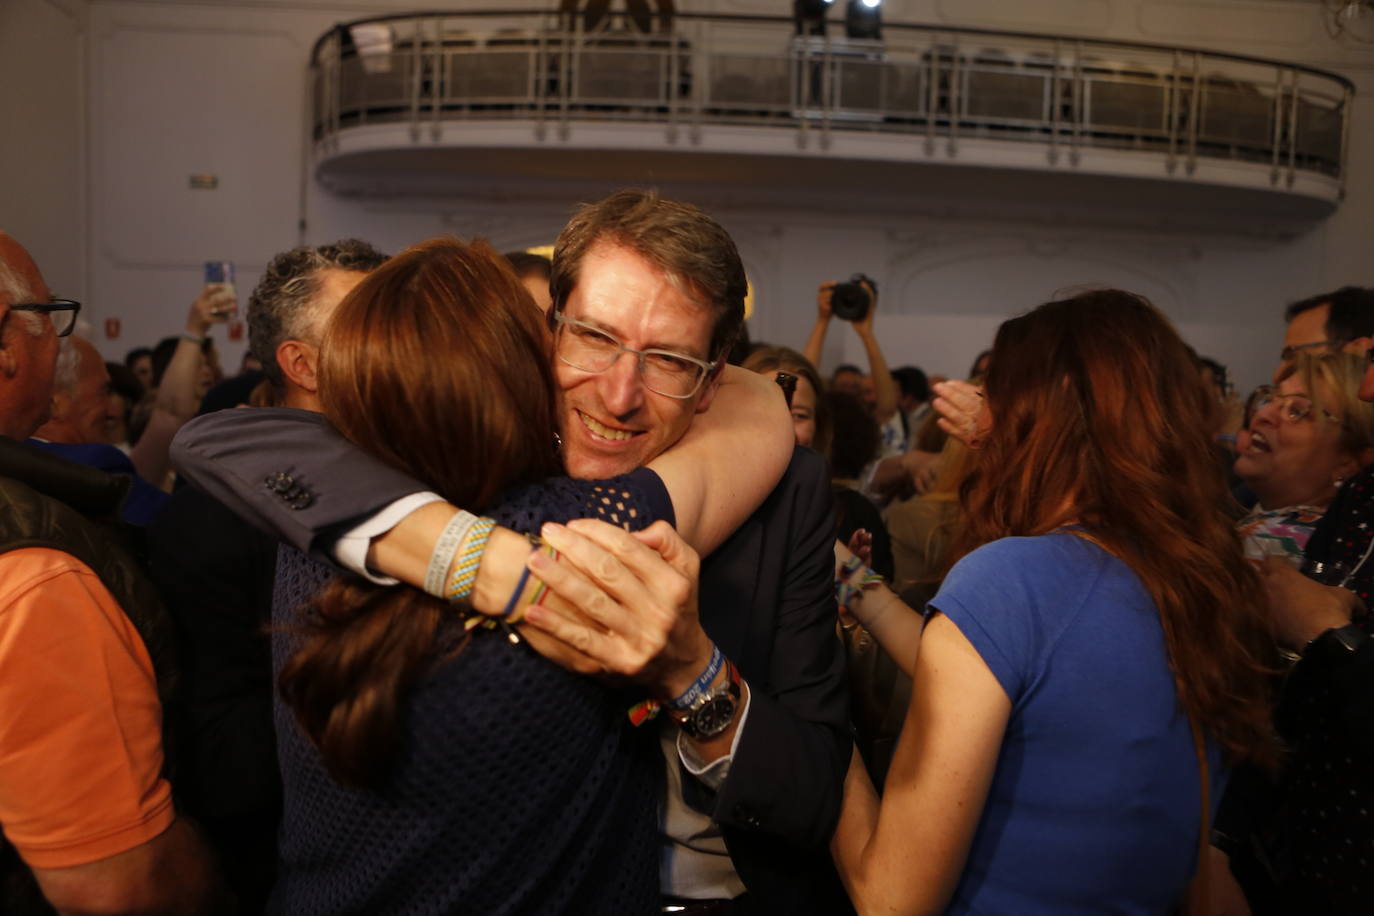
(714, 716)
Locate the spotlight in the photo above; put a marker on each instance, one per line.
(863, 19)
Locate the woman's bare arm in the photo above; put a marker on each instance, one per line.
(906, 853)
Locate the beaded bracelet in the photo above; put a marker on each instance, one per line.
(469, 558)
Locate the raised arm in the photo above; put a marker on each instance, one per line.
(176, 400)
(885, 389)
(816, 342)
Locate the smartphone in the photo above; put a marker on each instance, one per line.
(222, 273)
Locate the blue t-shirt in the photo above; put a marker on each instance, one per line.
(1094, 806)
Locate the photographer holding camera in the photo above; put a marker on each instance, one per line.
(856, 302)
(897, 472)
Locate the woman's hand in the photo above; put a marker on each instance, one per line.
(214, 304)
(861, 545)
(963, 412)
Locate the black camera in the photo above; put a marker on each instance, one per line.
(851, 300)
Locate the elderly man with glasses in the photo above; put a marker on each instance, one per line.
(87, 812)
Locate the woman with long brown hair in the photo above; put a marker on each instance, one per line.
(1091, 663)
(430, 765)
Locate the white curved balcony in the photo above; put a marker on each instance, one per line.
(401, 100)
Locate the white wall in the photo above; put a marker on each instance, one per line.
(43, 152)
(172, 88)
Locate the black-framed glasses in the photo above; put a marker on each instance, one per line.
(1292, 407)
(592, 349)
(1287, 353)
(62, 313)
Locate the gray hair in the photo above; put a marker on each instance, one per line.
(14, 288)
(280, 307)
(68, 365)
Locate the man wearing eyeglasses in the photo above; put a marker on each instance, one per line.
(87, 813)
(1339, 320)
(648, 296)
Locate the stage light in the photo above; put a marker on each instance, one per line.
(863, 19)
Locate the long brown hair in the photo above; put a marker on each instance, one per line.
(438, 364)
(1100, 419)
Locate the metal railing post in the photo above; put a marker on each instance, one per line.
(956, 98)
(1055, 104)
(1278, 126)
(1172, 115)
(1346, 98)
(1193, 109)
(436, 81)
(932, 92)
(1292, 126)
(1076, 97)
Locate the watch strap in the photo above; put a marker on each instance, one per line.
(694, 722)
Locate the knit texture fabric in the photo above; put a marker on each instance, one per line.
(517, 787)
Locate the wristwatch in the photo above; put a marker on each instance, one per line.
(1338, 642)
(710, 713)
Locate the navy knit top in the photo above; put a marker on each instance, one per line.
(517, 787)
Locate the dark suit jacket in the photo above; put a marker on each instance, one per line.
(766, 598)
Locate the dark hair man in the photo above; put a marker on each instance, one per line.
(1339, 320)
(750, 806)
(89, 823)
(290, 306)
(216, 572)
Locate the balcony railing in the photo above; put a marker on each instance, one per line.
(938, 85)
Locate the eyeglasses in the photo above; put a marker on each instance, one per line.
(1287, 353)
(589, 348)
(62, 313)
(1292, 407)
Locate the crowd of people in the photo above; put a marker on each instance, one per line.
(531, 585)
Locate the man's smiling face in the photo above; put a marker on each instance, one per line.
(611, 423)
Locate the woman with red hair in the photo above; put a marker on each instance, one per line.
(1091, 664)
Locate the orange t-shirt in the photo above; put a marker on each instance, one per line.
(80, 721)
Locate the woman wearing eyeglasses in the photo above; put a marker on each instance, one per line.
(1304, 438)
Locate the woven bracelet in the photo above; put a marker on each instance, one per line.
(469, 558)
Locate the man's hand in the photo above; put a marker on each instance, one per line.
(823, 312)
(1302, 609)
(214, 304)
(638, 595)
(963, 412)
(864, 326)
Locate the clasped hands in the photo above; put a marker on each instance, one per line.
(620, 605)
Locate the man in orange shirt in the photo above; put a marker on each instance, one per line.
(84, 806)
